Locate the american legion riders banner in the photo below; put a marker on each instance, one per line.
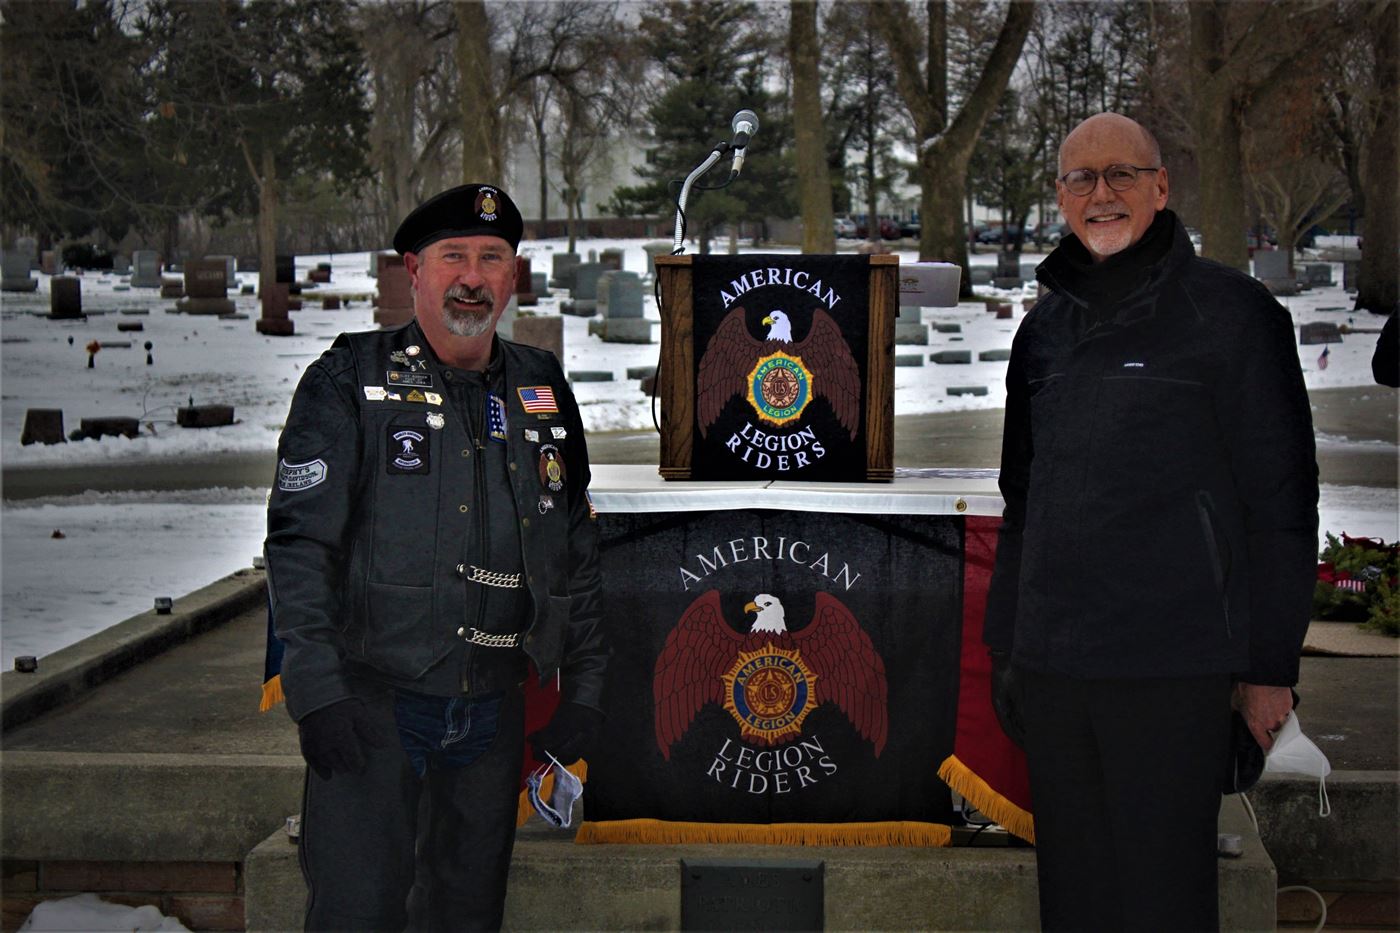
(777, 676)
(780, 360)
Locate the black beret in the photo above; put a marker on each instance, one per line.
(467, 210)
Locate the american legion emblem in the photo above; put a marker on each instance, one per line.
(770, 678)
(781, 347)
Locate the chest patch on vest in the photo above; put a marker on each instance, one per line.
(407, 450)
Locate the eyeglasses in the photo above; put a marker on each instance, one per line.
(1120, 177)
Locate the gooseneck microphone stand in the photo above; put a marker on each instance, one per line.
(717, 153)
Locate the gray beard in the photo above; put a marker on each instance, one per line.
(465, 323)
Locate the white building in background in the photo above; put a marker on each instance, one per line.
(614, 168)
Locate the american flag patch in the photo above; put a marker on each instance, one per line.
(1355, 586)
(496, 417)
(538, 399)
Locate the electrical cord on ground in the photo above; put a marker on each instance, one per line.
(1321, 903)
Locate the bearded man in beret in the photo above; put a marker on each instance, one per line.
(429, 537)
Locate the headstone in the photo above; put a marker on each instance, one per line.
(654, 248)
(967, 390)
(65, 297)
(112, 426)
(48, 262)
(524, 283)
(584, 293)
(539, 284)
(145, 269)
(172, 287)
(547, 333)
(321, 274)
(929, 284)
(1317, 273)
(999, 355)
(625, 296)
(562, 274)
(908, 359)
(14, 273)
(590, 375)
(394, 302)
(276, 302)
(128, 326)
(909, 326)
(951, 356)
(980, 275)
(1318, 332)
(1028, 303)
(121, 264)
(330, 303)
(28, 247)
(1351, 275)
(648, 385)
(623, 330)
(640, 372)
(374, 264)
(946, 328)
(230, 268)
(1271, 268)
(286, 270)
(204, 416)
(43, 426)
(612, 258)
(1004, 311)
(206, 287)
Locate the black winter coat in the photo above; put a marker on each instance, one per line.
(1159, 475)
(368, 540)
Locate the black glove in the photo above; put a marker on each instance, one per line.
(333, 738)
(1006, 698)
(568, 734)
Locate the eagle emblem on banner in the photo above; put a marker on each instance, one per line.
(769, 679)
(777, 375)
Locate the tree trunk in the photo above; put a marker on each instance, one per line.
(813, 178)
(1217, 117)
(267, 223)
(944, 151)
(544, 180)
(1379, 291)
(482, 157)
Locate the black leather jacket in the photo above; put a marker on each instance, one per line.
(1159, 474)
(372, 520)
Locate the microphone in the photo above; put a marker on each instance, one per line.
(745, 124)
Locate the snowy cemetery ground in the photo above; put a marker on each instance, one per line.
(119, 550)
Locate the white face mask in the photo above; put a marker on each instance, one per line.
(1295, 753)
(558, 811)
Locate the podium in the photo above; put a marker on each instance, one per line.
(778, 367)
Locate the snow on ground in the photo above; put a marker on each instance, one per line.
(121, 550)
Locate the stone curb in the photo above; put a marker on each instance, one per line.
(69, 672)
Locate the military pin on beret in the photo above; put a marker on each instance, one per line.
(467, 210)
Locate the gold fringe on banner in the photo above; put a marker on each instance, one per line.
(271, 694)
(578, 769)
(666, 832)
(979, 793)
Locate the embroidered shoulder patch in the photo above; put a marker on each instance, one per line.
(298, 477)
(538, 400)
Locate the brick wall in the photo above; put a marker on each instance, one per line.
(201, 895)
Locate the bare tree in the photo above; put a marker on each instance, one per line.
(1240, 54)
(944, 147)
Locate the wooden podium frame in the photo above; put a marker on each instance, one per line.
(676, 372)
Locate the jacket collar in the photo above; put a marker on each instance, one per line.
(1123, 283)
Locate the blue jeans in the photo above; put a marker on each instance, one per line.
(445, 732)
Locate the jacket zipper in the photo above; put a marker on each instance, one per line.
(1206, 509)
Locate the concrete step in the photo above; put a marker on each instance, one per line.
(557, 885)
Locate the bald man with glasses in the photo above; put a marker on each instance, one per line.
(1156, 557)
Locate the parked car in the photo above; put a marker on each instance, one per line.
(974, 231)
(1049, 234)
(997, 233)
(911, 229)
(845, 228)
(889, 230)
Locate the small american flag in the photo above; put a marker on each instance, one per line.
(1322, 360)
(1355, 586)
(496, 417)
(538, 399)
